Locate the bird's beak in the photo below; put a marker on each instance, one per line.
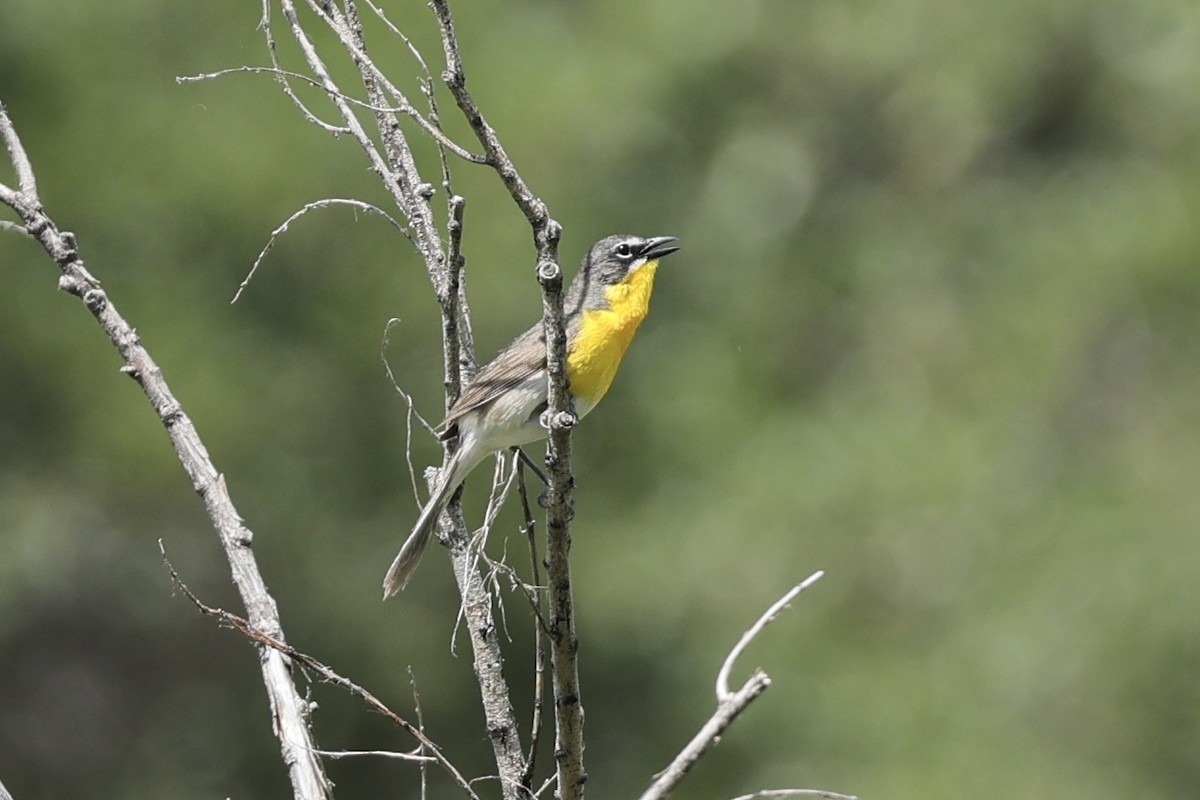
(658, 246)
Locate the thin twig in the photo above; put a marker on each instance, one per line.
(766, 619)
(729, 705)
(282, 76)
(340, 754)
(278, 73)
(796, 793)
(5, 225)
(502, 483)
(539, 650)
(454, 303)
(527, 461)
(416, 696)
(316, 204)
(403, 107)
(410, 407)
(348, 30)
(327, 674)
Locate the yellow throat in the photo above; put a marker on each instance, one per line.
(604, 334)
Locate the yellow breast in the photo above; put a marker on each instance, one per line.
(604, 335)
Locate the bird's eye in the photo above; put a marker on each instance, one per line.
(624, 250)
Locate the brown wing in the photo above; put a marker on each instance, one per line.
(511, 367)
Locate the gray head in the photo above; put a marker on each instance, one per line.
(609, 262)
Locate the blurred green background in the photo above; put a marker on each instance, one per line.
(934, 330)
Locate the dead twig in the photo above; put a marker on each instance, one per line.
(246, 629)
(289, 709)
(729, 703)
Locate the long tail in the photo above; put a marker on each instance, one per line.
(410, 554)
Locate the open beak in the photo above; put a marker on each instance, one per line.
(658, 246)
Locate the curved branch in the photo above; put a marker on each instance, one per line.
(766, 619)
(729, 704)
(316, 204)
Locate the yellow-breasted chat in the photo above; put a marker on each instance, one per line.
(607, 300)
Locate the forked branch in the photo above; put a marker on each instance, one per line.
(559, 419)
(729, 704)
(328, 675)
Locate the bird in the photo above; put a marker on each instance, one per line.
(501, 408)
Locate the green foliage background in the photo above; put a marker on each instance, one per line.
(934, 330)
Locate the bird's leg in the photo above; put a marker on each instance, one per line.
(527, 461)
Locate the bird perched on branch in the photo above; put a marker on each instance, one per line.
(607, 300)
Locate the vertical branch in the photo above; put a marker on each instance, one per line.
(415, 196)
(399, 172)
(502, 727)
(457, 348)
(560, 508)
(456, 81)
(559, 419)
(539, 654)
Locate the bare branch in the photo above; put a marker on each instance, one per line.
(26, 182)
(351, 39)
(729, 705)
(282, 76)
(316, 204)
(412, 682)
(456, 81)
(707, 737)
(459, 350)
(412, 195)
(335, 755)
(411, 409)
(498, 710)
(766, 619)
(796, 793)
(265, 639)
(559, 419)
(288, 707)
(540, 627)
